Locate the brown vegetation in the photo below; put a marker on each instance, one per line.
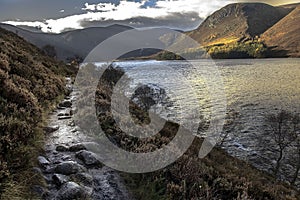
(284, 36)
(30, 82)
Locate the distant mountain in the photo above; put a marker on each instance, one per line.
(236, 22)
(71, 44)
(251, 30)
(239, 30)
(284, 36)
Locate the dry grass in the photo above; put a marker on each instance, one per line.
(30, 83)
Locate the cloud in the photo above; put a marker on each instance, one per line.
(128, 10)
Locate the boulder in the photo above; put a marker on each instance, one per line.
(66, 104)
(88, 158)
(77, 147)
(43, 162)
(68, 167)
(61, 148)
(70, 190)
(59, 179)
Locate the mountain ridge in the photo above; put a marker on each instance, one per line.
(251, 30)
(236, 22)
(238, 30)
(70, 44)
(284, 35)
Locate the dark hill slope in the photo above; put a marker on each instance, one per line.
(72, 43)
(236, 22)
(284, 36)
(29, 84)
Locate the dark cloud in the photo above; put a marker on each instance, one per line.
(187, 21)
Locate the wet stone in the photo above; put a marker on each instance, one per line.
(43, 162)
(61, 114)
(66, 104)
(61, 148)
(64, 117)
(68, 167)
(66, 158)
(60, 108)
(77, 147)
(83, 178)
(70, 191)
(59, 179)
(88, 158)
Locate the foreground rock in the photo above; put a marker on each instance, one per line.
(66, 104)
(68, 167)
(77, 147)
(70, 191)
(64, 117)
(88, 158)
(50, 129)
(43, 162)
(70, 171)
(59, 179)
(62, 148)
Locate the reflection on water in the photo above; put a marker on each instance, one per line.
(253, 88)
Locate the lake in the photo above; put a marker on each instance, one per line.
(253, 89)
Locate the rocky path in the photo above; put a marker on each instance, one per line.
(70, 171)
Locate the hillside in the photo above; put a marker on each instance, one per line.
(30, 83)
(71, 44)
(237, 22)
(284, 37)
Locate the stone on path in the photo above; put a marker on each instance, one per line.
(88, 158)
(50, 129)
(68, 167)
(43, 162)
(70, 191)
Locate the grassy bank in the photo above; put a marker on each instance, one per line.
(31, 83)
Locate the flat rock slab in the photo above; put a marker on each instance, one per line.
(63, 114)
(64, 117)
(50, 129)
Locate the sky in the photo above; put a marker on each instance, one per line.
(60, 15)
